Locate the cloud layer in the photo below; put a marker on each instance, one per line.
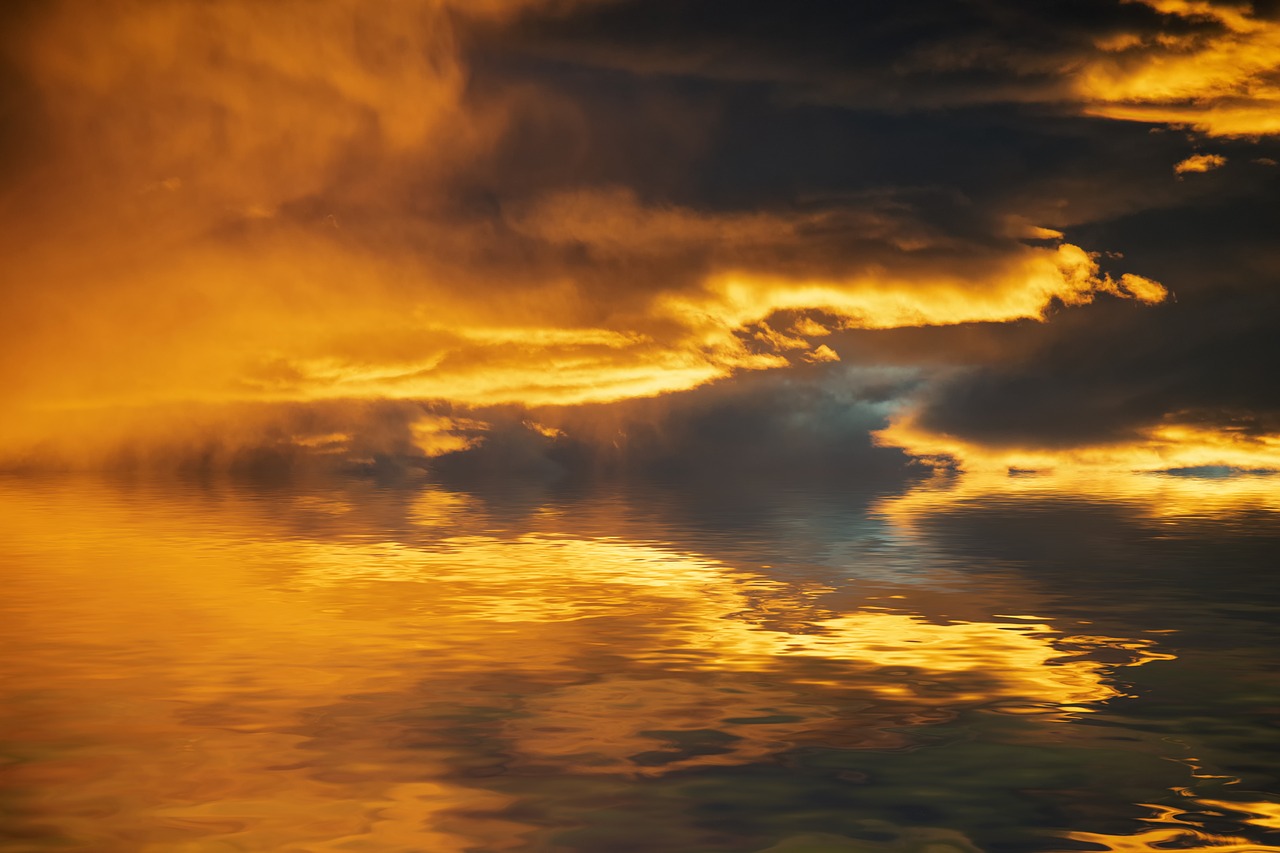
(241, 226)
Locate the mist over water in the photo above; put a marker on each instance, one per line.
(343, 664)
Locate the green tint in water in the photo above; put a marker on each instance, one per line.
(355, 668)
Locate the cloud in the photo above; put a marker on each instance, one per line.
(225, 217)
(1212, 66)
(821, 354)
(1200, 163)
(1183, 385)
(1222, 81)
(1167, 447)
(1020, 286)
(272, 212)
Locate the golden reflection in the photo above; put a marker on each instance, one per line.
(543, 595)
(259, 686)
(1182, 829)
(158, 697)
(1265, 815)
(1155, 496)
(1186, 826)
(535, 579)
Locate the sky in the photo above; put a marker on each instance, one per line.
(550, 235)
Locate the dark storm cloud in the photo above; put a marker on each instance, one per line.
(924, 54)
(1206, 64)
(1104, 374)
(812, 424)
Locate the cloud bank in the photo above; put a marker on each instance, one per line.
(234, 230)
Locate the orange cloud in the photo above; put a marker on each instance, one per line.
(1160, 447)
(1200, 163)
(1017, 287)
(821, 354)
(1222, 83)
(247, 204)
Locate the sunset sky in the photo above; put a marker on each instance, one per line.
(549, 233)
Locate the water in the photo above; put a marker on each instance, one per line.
(1010, 664)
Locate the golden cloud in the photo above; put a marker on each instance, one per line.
(237, 203)
(1222, 83)
(1159, 447)
(1200, 163)
(1016, 287)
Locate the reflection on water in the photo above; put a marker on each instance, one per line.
(349, 666)
(1185, 828)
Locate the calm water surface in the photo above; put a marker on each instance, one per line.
(951, 665)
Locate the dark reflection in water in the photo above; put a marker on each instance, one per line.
(965, 664)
